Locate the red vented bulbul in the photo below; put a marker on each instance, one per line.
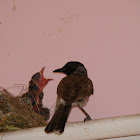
(73, 90)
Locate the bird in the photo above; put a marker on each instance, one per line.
(35, 93)
(73, 90)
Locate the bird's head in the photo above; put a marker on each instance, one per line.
(40, 80)
(70, 67)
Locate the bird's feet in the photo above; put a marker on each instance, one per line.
(87, 119)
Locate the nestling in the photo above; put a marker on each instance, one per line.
(35, 93)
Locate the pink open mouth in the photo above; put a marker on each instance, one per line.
(41, 73)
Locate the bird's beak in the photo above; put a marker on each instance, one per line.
(59, 70)
(49, 79)
(41, 73)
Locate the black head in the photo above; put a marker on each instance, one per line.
(70, 67)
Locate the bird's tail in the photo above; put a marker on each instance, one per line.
(58, 121)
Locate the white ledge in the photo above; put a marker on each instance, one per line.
(95, 129)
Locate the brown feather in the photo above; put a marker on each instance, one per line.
(74, 87)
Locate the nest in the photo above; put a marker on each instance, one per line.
(16, 114)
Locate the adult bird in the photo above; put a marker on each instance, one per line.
(73, 90)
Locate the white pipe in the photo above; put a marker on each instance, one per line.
(127, 138)
(94, 129)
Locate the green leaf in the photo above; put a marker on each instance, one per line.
(11, 127)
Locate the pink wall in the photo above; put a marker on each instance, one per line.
(104, 35)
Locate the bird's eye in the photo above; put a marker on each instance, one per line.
(37, 76)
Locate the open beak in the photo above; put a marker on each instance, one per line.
(41, 73)
(49, 79)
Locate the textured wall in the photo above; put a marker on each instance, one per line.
(104, 35)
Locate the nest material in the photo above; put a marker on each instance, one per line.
(16, 114)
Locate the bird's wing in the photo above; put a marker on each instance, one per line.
(74, 87)
(83, 89)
